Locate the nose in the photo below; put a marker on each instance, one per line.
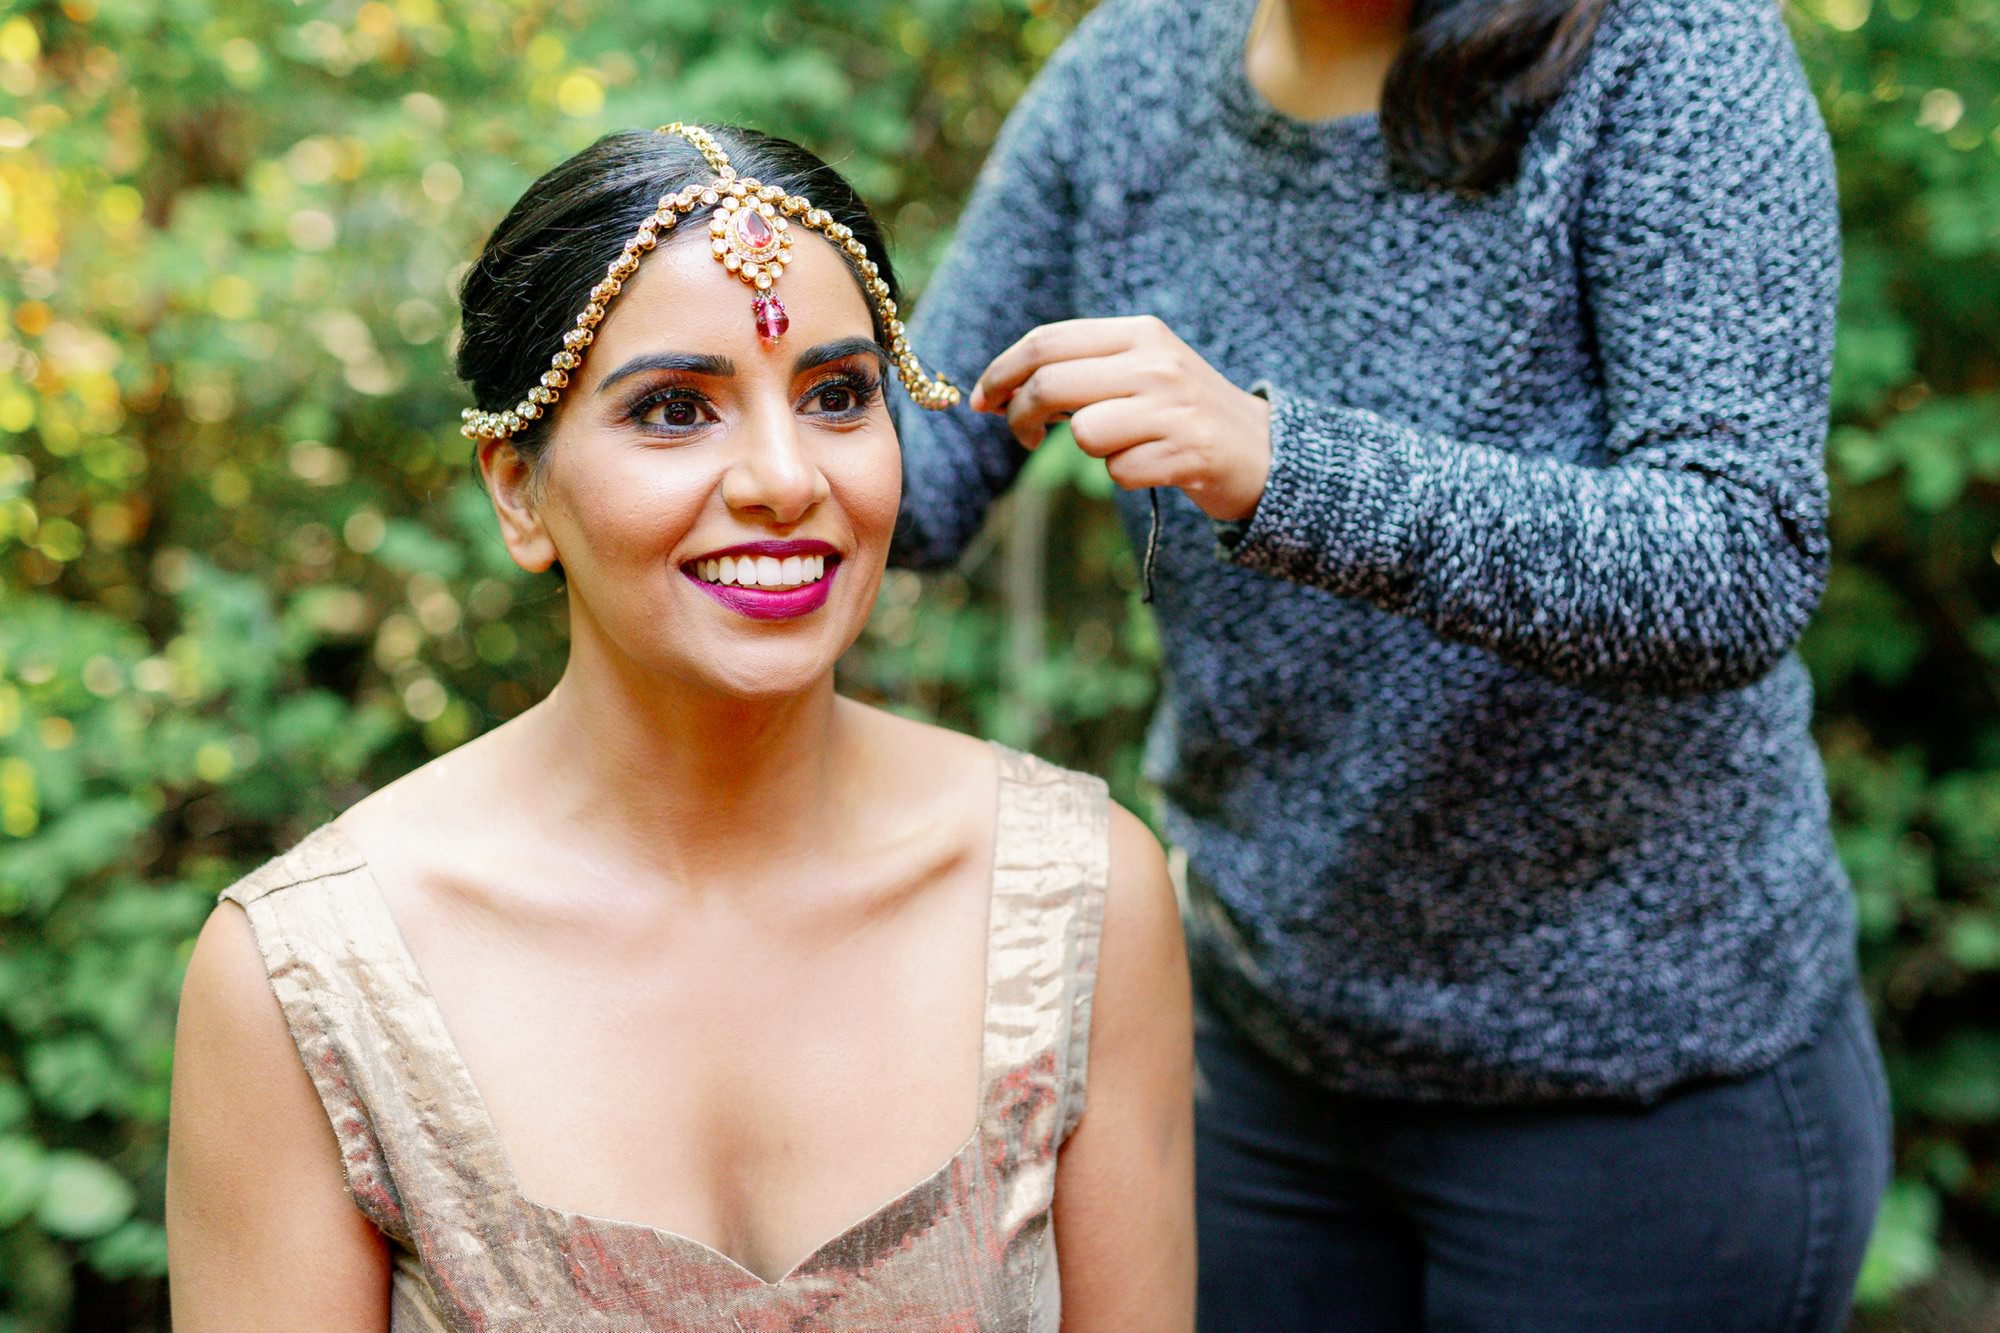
(773, 474)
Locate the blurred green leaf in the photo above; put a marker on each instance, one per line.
(1903, 1250)
(1957, 1080)
(73, 1075)
(23, 1177)
(82, 1196)
(134, 1249)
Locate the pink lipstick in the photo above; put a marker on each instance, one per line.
(767, 580)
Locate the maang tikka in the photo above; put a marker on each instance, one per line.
(749, 229)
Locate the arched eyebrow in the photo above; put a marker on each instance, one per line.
(691, 363)
(838, 348)
(721, 367)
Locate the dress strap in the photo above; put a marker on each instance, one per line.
(401, 1105)
(1050, 865)
(295, 908)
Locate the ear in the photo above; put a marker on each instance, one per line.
(510, 485)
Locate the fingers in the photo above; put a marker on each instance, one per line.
(1109, 428)
(1063, 388)
(1144, 465)
(1136, 442)
(1069, 340)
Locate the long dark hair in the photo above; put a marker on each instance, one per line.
(1470, 80)
(536, 272)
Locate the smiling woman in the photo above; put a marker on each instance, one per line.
(621, 1015)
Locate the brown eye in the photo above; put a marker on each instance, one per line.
(672, 411)
(841, 398)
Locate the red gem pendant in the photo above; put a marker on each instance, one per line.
(769, 313)
(754, 235)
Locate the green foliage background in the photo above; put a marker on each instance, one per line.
(244, 576)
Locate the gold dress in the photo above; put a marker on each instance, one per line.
(969, 1248)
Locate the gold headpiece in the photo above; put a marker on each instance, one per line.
(750, 235)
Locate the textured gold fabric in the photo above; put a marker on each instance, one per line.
(969, 1248)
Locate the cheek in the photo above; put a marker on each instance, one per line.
(640, 504)
(870, 486)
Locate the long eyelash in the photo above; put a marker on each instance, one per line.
(637, 409)
(866, 388)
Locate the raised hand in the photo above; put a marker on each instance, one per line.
(1143, 401)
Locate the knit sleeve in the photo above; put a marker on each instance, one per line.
(1690, 557)
(1006, 271)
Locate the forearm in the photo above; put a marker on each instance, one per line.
(1688, 549)
(1674, 570)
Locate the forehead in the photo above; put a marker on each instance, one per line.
(682, 300)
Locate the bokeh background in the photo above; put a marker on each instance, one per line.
(245, 575)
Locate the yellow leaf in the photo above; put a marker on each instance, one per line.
(121, 206)
(212, 762)
(17, 410)
(19, 42)
(579, 95)
(233, 297)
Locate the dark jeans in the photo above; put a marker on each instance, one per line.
(1742, 1204)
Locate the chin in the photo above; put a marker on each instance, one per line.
(776, 672)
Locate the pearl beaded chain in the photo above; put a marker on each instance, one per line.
(750, 236)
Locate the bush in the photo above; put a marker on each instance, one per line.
(1906, 649)
(244, 575)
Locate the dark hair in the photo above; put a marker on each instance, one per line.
(536, 272)
(1465, 89)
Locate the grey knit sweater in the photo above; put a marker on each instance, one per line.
(1484, 734)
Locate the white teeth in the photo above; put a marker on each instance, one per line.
(762, 571)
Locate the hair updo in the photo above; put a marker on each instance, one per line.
(523, 293)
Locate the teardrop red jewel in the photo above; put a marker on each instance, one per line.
(771, 318)
(755, 233)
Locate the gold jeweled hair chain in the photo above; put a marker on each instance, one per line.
(750, 235)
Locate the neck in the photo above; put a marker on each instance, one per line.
(1332, 26)
(704, 786)
(1321, 59)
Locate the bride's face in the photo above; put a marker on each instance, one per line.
(721, 506)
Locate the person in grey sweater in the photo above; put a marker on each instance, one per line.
(1465, 367)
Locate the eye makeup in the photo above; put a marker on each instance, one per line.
(685, 409)
(862, 390)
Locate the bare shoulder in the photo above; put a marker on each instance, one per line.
(1138, 862)
(925, 775)
(1143, 968)
(926, 743)
(463, 819)
(226, 994)
(233, 1051)
(258, 1218)
(438, 797)
(1125, 1183)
